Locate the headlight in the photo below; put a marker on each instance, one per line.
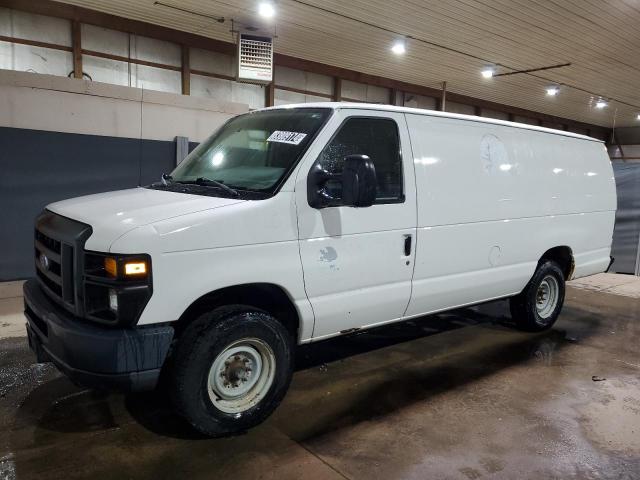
(135, 268)
(123, 267)
(116, 287)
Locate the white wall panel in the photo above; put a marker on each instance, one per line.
(526, 120)
(313, 82)
(43, 102)
(165, 122)
(14, 23)
(494, 114)
(319, 83)
(314, 98)
(454, 107)
(27, 58)
(356, 91)
(51, 110)
(252, 95)
(399, 100)
(211, 62)
(420, 101)
(160, 79)
(377, 94)
(288, 77)
(284, 97)
(5, 21)
(215, 88)
(105, 70)
(365, 93)
(152, 50)
(227, 90)
(105, 40)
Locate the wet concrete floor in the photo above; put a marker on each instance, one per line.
(452, 396)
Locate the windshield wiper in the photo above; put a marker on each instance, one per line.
(210, 183)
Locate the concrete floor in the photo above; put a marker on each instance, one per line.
(455, 396)
(11, 306)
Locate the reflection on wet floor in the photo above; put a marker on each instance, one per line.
(457, 395)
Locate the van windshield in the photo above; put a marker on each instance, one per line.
(253, 152)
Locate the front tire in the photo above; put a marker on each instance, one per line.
(232, 368)
(537, 307)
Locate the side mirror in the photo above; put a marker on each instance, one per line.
(357, 182)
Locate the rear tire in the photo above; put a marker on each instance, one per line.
(232, 368)
(537, 307)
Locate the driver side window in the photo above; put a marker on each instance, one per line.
(378, 139)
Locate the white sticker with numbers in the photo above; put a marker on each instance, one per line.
(294, 138)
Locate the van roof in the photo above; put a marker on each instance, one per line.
(433, 113)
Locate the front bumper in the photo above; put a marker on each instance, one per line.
(128, 359)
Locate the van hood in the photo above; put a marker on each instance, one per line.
(113, 214)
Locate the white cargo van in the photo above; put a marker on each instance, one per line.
(296, 224)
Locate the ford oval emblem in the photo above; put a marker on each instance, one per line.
(44, 261)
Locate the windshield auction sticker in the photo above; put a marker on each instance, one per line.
(294, 138)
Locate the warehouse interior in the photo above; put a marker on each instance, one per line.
(102, 96)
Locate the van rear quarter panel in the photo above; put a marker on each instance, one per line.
(492, 199)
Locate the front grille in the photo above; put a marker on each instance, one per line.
(48, 242)
(58, 255)
(54, 261)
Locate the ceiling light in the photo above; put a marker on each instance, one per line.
(553, 90)
(487, 72)
(399, 47)
(266, 10)
(601, 103)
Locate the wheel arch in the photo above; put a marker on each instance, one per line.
(269, 297)
(563, 256)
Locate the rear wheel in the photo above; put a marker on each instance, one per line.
(232, 368)
(537, 307)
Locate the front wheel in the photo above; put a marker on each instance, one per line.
(537, 307)
(232, 368)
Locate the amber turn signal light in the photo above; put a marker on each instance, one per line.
(111, 266)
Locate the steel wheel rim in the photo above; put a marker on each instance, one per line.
(241, 375)
(547, 296)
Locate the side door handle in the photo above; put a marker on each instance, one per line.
(407, 245)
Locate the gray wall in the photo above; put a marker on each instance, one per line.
(626, 234)
(42, 167)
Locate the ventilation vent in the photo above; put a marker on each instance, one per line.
(255, 58)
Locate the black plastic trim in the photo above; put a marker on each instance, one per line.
(71, 236)
(143, 286)
(612, 259)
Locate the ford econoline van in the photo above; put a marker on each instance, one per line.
(295, 224)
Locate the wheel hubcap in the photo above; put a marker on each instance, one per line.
(241, 375)
(547, 296)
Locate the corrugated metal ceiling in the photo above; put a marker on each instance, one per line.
(600, 38)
